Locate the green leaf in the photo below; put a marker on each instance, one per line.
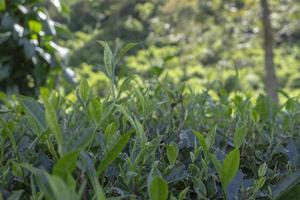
(16, 195)
(52, 122)
(287, 186)
(158, 189)
(216, 163)
(99, 193)
(110, 130)
(35, 26)
(124, 50)
(2, 5)
(202, 141)
(34, 109)
(95, 111)
(230, 167)
(113, 153)
(211, 136)
(172, 152)
(182, 194)
(66, 164)
(125, 112)
(239, 136)
(262, 170)
(56, 188)
(84, 91)
(108, 58)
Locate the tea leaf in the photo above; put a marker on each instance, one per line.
(113, 153)
(66, 164)
(124, 50)
(202, 141)
(172, 152)
(239, 136)
(108, 58)
(2, 5)
(35, 109)
(84, 91)
(52, 122)
(230, 167)
(158, 189)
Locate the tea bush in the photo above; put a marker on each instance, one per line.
(148, 139)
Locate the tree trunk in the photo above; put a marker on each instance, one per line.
(271, 83)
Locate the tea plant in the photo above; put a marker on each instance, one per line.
(147, 140)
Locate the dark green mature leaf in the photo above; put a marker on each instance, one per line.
(158, 189)
(35, 109)
(291, 194)
(113, 153)
(176, 173)
(230, 167)
(183, 193)
(16, 195)
(287, 185)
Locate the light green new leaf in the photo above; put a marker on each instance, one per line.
(216, 163)
(95, 110)
(2, 5)
(202, 141)
(110, 131)
(124, 50)
(52, 122)
(239, 136)
(230, 167)
(35, 26)
(158, 189)
(113, 153)
(125, 112)
(211, 136)
(84, 91)
(66, 164)
(262, 170)
(108, 58)
(99, 193)
(172, 152)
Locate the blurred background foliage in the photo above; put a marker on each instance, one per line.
(206, 44)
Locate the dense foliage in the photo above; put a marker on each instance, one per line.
(179, 113)
(148, 139)
(27, 49)
(191, 41)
